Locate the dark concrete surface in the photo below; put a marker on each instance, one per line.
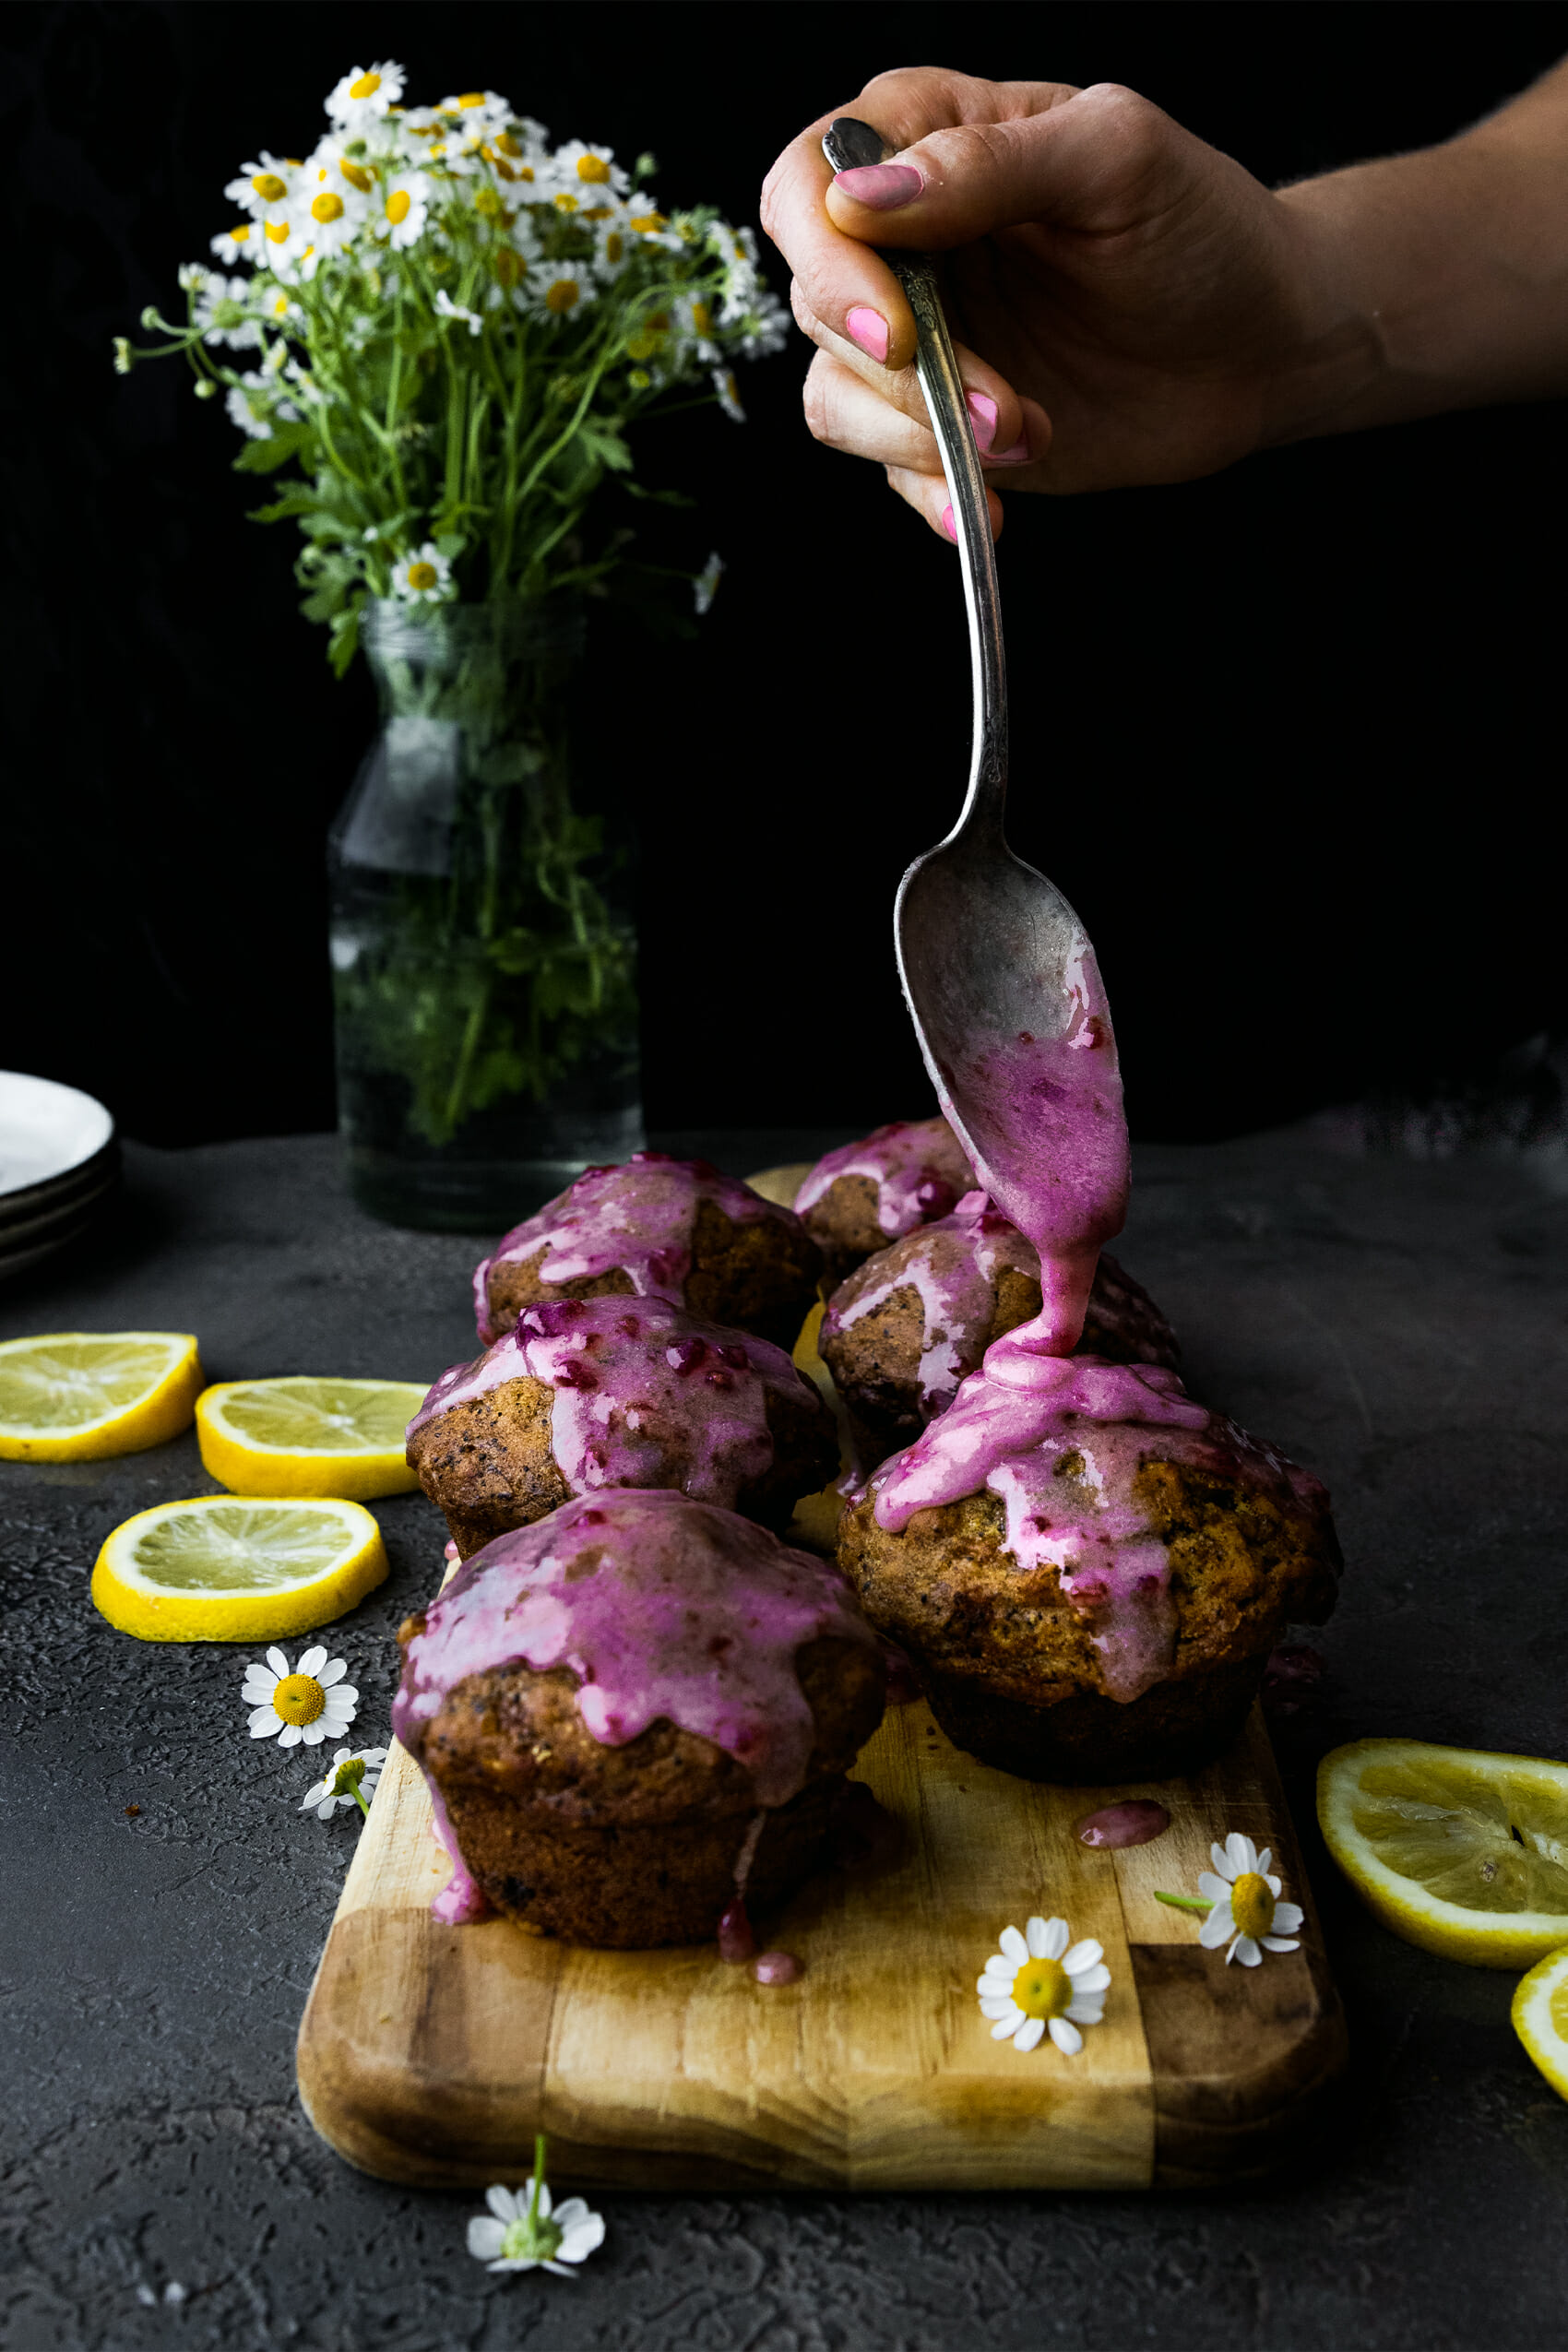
(1398, 1326)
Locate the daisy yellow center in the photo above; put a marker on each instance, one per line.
(564, 203)
(508, 266)
(326, 206)
(592, 167)
(276, 231)
(472, 98)
(508, 144)
(1042, 1989)
(240, 232)
(422, 575)
(702, 318)
(563, 296)
(268, 187)
(366, 86)
(398, 205)
(356, 176)
(298, 1698)
(646, 222)
(1252, 1903)
(615, 246)
(487, 204)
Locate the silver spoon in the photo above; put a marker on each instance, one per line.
(997, 970)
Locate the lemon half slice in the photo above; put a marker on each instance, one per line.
(81, 1395)
(228, 1568)
(299, 1435)
(1456, 1849)
(1540, 2017)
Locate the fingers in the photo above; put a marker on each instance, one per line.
(930, 498)
(844, 412)
(996, 414)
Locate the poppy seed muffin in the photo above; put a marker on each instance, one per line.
(632, 1716)
(864, 1195)
(616, 1392)
(656, 1228)
(909, 1323)
(1089, 1570)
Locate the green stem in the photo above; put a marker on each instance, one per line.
(1183, 1902)
(358, 1800)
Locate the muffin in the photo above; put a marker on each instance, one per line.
(1087, 1569)
(632, 1716)
(912, 1322)
(616, 1392)
(863, 1196)
(656, 1228)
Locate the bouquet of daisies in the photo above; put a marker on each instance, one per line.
(447, 326)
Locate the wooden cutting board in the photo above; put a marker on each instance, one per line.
(432, 2055)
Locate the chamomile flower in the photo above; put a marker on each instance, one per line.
(729, 398)
(1035, 1984)
(350, 1779)
(558, 288)
(1248, 1915)
(525, 2230)
(222, 308)
(447, 308)
(582, 168)
(330, 207)
(364, 95)
(310, 1702)
(242, 243)
(477, 115)
(404, 208)
(424, 577)
(614, 244)
(254, 404)
(263, 189)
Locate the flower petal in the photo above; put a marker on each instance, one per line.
(278, 1662)
(1095, 1979)
(1217, 1928)
(1001, 2004)
(546, 2205)
(312, 1661)
(1241, 1853)
(566, 2216)
(333, 1671)
(259, 1684)
(1006, 2028)
(1012, 1944)
(1035, 1932)
(485, 2237)
(1265, 1859)
(1083, 1955)
(1068, 2039)
(556, 2270)
(1085, 2013)
(1221, 1860)
(312, 1734)
(1032, 2031)
(502, 2202)
(581, 2237)
(1245, 1950)
(1217, 1889)
(1280, 1942)
(1288, 1917)
(264, 1723)
(313, 1795)
(1058, 1935)
(342, 1699)
(516, 2262)
(290, 1736)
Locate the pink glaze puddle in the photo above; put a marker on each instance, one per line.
(638, 1217)
(778, 1968)
(1137, 1820)
(662, 1607)
(1049, 1140)
(1061, 1440)
(642, 1389)
(917, 1165)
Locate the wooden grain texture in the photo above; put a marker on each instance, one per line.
(432, 2055)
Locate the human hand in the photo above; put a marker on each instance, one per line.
(1127, 304)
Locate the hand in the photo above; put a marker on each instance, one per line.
(1127, 304)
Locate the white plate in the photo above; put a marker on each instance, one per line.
(46, 1131)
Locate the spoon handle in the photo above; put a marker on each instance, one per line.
(846, 144)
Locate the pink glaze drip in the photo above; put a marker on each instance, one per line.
(662, 1607)
(638, 1217)
(954, 1269)
(1046, 1131)
(1011, 1428)
(640, 1386)
(736, 1941)
(778, 1968)
(917, 1165)
(1137, 1820)
(462, 1899)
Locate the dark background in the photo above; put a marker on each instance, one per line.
(1286, 737)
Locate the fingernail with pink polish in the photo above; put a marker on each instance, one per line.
(1017, 455)
(949, 526)
(869, 329)
(883, 187)
(982, 416)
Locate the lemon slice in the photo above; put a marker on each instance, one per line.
(80, 1396)
(1540, 2017)
(231, 1568)
(1462, 1852)
(305, 1436)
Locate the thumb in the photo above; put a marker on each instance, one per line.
(1098, 159)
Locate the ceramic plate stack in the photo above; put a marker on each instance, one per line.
(58, 1161)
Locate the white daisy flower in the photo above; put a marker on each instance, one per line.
(310, 1702)
(254, 405)
(556, 289)
(582, 168)
(350, 1779)
(330, 207)
(424, 577)
(1247, 1912)
(614, 244)
(1035, 1984)
(404, 208)
(265, 187)
(704, 587)
(364, 95)
(526, 2230)
(729, 398)
(222, 309)
(244, 242)
(447, 308)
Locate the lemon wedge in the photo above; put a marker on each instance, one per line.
(1462, 1852)
(1540, 2017)
(302, 1436)
(231, 1568)
(81, 1395)
(815, 1523)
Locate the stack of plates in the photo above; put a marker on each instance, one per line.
(58, 1159)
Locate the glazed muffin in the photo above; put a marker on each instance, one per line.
(633, 1715)
(656, 1228)
(616, 1392)
(864, 1195)
(1087, 1569)
(912, 1322)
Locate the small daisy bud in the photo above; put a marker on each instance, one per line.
(205, 388)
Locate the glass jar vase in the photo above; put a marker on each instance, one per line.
(483, 942)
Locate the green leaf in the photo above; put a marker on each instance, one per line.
(266, 457)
